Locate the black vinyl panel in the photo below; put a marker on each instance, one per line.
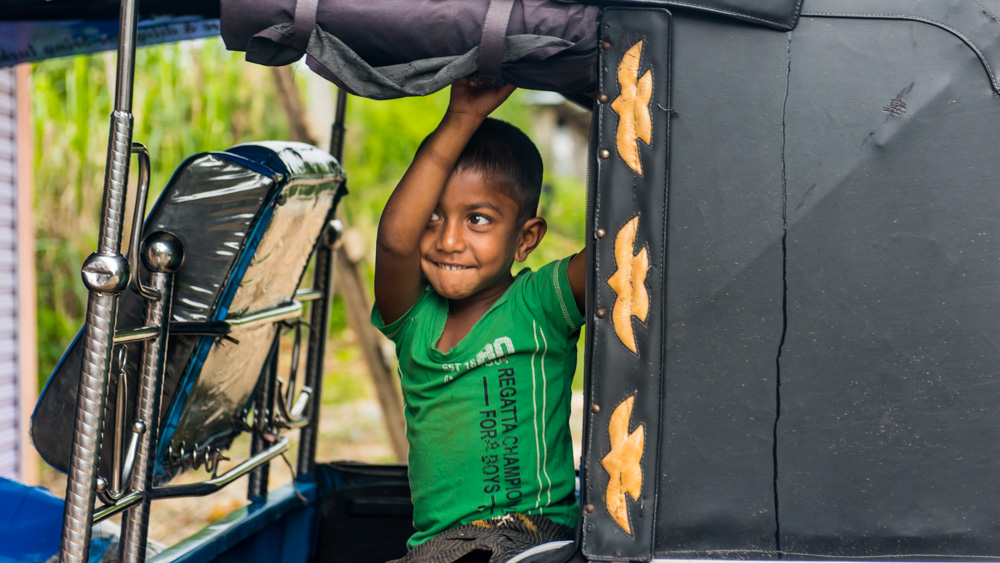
(778, 14)
(624, 378)
(888, 425)
(724, 289)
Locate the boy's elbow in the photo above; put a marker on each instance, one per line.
(394, 247)
(390, 242)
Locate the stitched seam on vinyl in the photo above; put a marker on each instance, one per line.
(798, 7)
(986, 10)
(965, 39)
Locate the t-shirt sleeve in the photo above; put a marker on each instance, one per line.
(549, 288)
(395, 330)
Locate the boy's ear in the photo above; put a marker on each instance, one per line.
(531, 234)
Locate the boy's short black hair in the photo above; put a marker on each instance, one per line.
(507, 159)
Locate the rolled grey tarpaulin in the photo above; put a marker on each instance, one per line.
(396, 48)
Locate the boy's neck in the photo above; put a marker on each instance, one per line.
(464, 313)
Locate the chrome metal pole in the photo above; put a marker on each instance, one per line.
(263, 413)
(106, 274)
(319, 327)
(163, 254)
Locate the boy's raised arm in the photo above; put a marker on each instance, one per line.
(409, 208)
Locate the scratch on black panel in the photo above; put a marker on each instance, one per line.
(784, 297)
(897, 106)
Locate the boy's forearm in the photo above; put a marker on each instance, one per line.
(410, 206)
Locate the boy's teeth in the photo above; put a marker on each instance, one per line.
(450, 267)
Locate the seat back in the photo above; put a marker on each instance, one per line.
(248, 219)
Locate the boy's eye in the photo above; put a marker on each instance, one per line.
(478, 219)
(435, 216)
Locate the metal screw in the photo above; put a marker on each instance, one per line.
(603, 98)
(605, 153)
(606, 45)
(601, 233)
(601, 313)
(595, 408)
(139, 427)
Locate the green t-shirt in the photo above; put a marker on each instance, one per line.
(488, 421)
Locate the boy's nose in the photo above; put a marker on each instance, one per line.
(451, 239)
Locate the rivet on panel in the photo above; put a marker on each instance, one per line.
(601, 313)
(589, 509)
(603, 98)
(601, 232)
(606, 45)
(595, 408)
(605, 153)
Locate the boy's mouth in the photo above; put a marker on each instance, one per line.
(451, 267)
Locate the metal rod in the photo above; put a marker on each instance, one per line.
(289, 398)
(133, 448)
(337, 132)
(163, 255)
(258, 461)
(138, 215)
(304, 295)
(319, 324)
(282, 313)
(196, 489)
(220, 328)
(263, 411)
(116, 452)
(136, 334)
(106, 275)
(120, 505)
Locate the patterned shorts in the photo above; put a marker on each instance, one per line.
(503, 537)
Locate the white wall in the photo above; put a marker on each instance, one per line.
(17, 295)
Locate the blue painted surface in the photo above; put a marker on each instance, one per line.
(30, 522)
(32, 41)
(278, 530)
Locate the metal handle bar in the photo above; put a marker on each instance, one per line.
(138, 215)
(198, 489)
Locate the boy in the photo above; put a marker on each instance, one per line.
(485, 359)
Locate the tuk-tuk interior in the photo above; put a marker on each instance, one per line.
(791, 276)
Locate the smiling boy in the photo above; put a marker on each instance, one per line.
(485, 358)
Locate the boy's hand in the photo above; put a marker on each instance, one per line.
(474, 99)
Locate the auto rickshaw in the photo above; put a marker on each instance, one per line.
(791, 300)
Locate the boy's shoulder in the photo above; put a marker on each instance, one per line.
(547, 292)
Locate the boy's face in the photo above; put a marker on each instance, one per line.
(472, 239)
